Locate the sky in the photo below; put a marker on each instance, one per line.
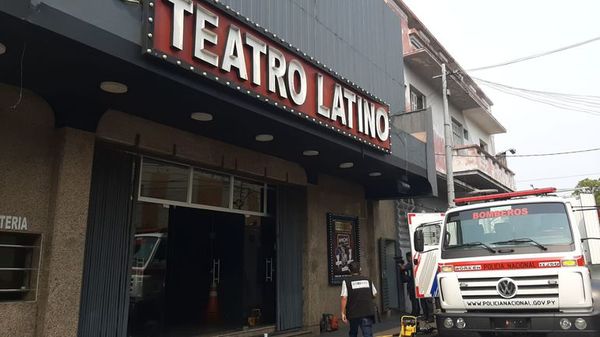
(480, 33)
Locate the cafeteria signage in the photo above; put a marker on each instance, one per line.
(11, 222)
(211, 40)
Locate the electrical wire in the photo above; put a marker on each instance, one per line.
(582, 103)
(18, 102)
(534, 56)
(573, 97)
(529, 155)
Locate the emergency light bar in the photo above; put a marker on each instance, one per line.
(503, 196)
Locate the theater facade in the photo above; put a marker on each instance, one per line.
(196, 168)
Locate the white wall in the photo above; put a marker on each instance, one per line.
(434, 100)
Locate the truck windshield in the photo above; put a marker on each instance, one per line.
(143, 250)
(513, 228)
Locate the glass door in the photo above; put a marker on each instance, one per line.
(199, 272)
(148, 270)
(259, 271)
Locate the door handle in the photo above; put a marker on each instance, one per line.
(216, 271)
(269, 270)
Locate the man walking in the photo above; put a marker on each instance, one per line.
(357, 302)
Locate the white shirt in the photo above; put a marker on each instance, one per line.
(345, 289)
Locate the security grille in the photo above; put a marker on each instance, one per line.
(528, 287)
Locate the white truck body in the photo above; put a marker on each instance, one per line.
(518, 265)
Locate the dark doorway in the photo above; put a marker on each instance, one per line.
(203, 243)
(219, 273)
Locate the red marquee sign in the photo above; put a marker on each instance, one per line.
(209, 39)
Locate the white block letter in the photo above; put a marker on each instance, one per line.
(338, 105)
(298, 97)
(359, 112)
(180, 7)
(203, 34)
(321, 109)
(234, 53)
(383, 124)
(369, 115)
(276, 72)
(351, 97)
(258, 48)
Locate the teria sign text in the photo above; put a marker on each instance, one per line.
(212, 41)
(11, 222)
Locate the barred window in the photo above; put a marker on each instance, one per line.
(19, 266)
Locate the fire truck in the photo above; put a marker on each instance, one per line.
(513, 263)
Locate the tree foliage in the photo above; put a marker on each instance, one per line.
(590, 186)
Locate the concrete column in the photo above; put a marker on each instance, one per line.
(63, 257)
(341, 197)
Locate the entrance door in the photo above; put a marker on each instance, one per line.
(425, 264)
(219, 274)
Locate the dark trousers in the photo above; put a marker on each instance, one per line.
(427, 307)
(365, 324)
(414, 302)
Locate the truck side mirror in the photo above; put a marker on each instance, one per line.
(419, 241)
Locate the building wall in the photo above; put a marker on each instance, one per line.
(384, 217)
(384, 227)
(435, 101)
(45, 177)
(26, 169)
(129, 130)
(343, 198)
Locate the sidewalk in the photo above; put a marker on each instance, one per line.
(387, 327)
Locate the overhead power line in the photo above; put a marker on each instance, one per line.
(531, 155)
(530, 57)
(583, 103)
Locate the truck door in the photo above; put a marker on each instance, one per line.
(425, 264)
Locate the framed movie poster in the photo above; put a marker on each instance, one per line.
(343, 246)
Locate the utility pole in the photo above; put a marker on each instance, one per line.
(448, 140)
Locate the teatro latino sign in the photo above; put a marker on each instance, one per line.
(209, 39)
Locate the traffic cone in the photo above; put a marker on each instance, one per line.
(212, 307)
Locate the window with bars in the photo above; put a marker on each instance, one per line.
(19, 266)
(483, 145)
(417, 99)
(457, 132)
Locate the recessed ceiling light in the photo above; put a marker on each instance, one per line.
(346, 165)
(113, 87)
(202, 116)
(2, 49)
(264, 137)
(310, 153)
(375, 174)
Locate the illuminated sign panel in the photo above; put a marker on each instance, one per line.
(210, 40)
